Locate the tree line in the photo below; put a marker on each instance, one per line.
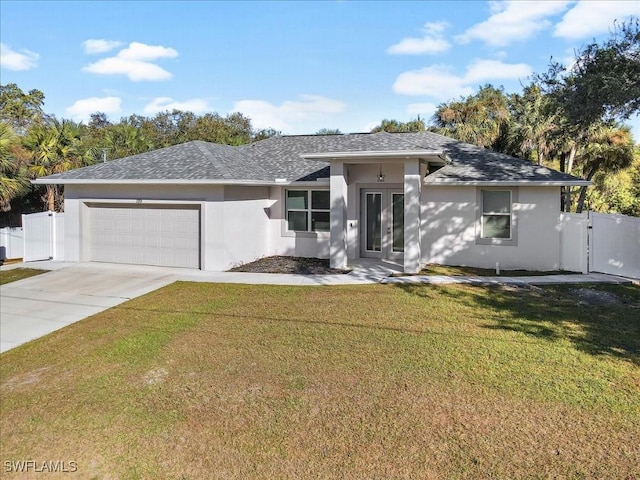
(568, 118)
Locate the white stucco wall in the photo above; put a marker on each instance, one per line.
(449, 229)
(246, 225)
(234, 225)
(296, 244)
(241, 223)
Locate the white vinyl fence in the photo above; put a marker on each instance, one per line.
(40, 238)
(614, 244)
(11, 243)
(574, 242)
(43, 236)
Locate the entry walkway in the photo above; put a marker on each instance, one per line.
(36, 306)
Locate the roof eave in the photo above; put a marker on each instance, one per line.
(507, 183)
(76, 181)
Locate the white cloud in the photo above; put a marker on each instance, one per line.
(82, 109)
(431, 41)
(481, 70)
(161, 104)
(588, 18)
(513, 20)
(435, 81)
(439, 83)
(135, 70)
(135, 62)
(93, 46)
(142, 52)
(290, 115)
(12, 60)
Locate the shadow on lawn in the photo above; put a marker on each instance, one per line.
(597, 319)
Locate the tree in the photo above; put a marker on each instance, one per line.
(604, 82)
(394, 126)
(480, 119)
(265, 133)
(329, 131)
(618, 192)
(534, 124)
(54, 148)
(609, 148)
(122, 140)
(234, 129)
(14, 179)
(99, 120)
(20, 109)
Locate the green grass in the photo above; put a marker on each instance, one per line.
(15, 274)
(235, 381)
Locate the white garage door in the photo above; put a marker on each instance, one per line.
(151, 235)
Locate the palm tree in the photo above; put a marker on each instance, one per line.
(123, 140)
(534, 123)
(14, 179)
(479, 119)
(54, 148)
(394, 126)
(609, 147)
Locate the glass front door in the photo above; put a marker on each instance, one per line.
(382, 216)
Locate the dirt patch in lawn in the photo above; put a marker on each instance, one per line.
(282, 264)
(589, 297)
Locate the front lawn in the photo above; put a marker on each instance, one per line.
(15, 274)
(235, 381)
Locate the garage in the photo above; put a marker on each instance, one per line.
(163, 235)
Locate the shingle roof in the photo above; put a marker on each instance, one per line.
(475, 164)
(282, 158)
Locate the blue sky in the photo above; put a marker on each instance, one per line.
(294, 66)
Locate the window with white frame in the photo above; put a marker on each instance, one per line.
(307, 210)
(496, 214)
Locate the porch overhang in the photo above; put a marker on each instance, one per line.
(412, 164)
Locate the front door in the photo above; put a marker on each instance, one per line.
(382, 220)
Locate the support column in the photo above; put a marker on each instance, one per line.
(412, 185)
(338, 216)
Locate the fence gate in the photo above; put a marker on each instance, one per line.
(38, 231)
(614, 244)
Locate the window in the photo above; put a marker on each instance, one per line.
(307, 210)
(496, 214)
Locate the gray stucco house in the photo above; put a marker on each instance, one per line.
(414, 197)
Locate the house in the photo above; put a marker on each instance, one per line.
(414, 197)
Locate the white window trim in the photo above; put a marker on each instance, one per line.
(309, 211)
(513, 231)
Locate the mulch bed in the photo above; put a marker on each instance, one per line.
(280, 264)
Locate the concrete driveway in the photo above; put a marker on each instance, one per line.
(39, 305)
(68, 293)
